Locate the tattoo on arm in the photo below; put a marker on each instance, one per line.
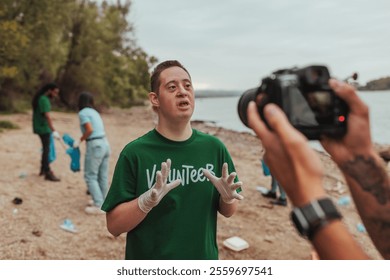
(382, 244)
(370, 175)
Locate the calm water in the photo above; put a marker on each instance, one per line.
(223, 111)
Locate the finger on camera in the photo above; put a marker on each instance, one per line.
(255, 121)
(277, 119)
(294, 142)
(348, 94)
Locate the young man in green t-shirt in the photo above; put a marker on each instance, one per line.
(43, 125)
(169, 184)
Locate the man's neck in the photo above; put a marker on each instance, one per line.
(176, 131)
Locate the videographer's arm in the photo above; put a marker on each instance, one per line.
(299, 170)
(363, 169)
(291, 160)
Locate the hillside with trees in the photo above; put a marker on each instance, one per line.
(78, 44)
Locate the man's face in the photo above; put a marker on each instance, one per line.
(176, 94)
(54, 92)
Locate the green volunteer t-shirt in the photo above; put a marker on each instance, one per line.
(40, 124)
(183, 225)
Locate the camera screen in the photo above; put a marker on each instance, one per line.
(310, 109)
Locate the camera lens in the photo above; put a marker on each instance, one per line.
(246, 97)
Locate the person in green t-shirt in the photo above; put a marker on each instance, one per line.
(43, 125)
(169, 185)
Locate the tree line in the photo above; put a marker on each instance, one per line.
(78, 44)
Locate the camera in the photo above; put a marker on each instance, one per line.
(304, 95)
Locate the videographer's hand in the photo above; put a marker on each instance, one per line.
(357, 140)
(292, 161)
(362, 167)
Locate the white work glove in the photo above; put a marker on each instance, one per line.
(56, 135)
(225, 185)
(152, 197)
(76, 144)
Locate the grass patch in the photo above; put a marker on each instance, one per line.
(8, 125)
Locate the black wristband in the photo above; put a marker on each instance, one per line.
(311, 217)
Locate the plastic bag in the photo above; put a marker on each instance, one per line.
(266, 170)
(74, 153)
(52, 149)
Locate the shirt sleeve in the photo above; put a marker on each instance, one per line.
(84, 118)
(44, 105)
(123, 186)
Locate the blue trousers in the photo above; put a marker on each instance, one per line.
(96, 169)
(275, 185)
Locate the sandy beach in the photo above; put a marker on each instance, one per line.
(31, 230)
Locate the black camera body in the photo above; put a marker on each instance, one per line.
(304, 95)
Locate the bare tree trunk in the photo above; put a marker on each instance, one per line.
(66, 81)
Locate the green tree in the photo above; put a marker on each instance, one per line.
(30, 47)
(79, 44)
(103, 58)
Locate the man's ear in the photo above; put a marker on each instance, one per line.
(153, 98)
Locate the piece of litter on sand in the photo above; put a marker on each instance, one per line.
(339, 188)
(68, 226)
(344, 200)
(269, 239)
(268, 206)
(17, 201)
(236, 243)
(360, 227)
(262, 189)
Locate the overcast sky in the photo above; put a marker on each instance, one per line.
(232, 44)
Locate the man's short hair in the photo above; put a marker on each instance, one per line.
(155, 78)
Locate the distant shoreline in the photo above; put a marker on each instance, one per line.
(216, 93)
(382, 84)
